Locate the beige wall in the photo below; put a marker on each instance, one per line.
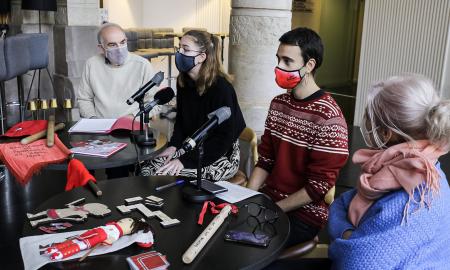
(335, 21)
(211, 14)
(127, 13)
(308, 19)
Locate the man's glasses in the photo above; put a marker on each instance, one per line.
(261, 219)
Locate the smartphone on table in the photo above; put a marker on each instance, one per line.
(256, 239)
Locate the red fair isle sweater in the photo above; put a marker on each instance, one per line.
(304, 145)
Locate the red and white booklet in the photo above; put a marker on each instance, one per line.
(98, 148)
(104, 126)
(152, 260)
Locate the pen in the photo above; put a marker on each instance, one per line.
(178, 182)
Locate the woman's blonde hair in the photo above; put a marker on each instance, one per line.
(211, 67)
(409, 107)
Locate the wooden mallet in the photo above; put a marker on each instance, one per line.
(41, 134)
(51, 131)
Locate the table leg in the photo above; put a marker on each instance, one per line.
(2, 107)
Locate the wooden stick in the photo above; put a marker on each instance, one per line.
(95, 188)
(91, 183)
(40, 134)
(204, 237)
(51, 131)
(89, 252)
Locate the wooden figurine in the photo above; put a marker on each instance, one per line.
(71, 213)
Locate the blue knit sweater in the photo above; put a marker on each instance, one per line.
(382, 242)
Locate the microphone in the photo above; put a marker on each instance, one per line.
(215, 118)
(156, 80)
(161, 97)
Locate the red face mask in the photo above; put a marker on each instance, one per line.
(287, 79)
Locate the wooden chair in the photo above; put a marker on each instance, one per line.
(248, 144)
(309, 249)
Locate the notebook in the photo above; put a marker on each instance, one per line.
(104, 126)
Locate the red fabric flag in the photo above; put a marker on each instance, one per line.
(77, 175)
(25, 160)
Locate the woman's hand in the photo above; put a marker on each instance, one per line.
(172, 168)
(168, 154)
(346, 235)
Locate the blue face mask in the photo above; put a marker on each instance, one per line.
(184, 63)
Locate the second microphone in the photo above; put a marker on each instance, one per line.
(161, 97)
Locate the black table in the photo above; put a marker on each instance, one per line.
(126, 156)
(174, 241)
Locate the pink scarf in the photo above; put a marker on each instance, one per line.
(404, 165)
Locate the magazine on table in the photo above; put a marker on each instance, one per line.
(97, 147)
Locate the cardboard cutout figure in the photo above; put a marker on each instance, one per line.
(72, 213)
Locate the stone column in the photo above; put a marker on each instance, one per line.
(75, 40)
(255, 27)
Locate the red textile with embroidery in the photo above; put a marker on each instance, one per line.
(25, 160)
(77, 175)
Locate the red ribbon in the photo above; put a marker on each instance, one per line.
(215, 209)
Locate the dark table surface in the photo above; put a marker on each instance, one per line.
(174, 241)
(127, 156)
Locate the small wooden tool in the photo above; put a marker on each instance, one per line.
(40, 134)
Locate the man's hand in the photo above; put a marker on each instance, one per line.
(257, 178)
(172, 168)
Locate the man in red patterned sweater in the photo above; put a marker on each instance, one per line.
(305, 140)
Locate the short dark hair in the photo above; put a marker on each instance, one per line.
(309, 42)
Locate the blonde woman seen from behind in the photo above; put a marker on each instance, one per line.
(398, 217)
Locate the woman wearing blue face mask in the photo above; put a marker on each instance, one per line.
(202, 87)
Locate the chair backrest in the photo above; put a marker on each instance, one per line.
(329, 197)
(248, 150)
(17, 56)
(3, 73)
(162, 41)
(186, 29)
(38, 48)
(132, 40)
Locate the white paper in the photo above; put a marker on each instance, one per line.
(235, 192)
(93, 125)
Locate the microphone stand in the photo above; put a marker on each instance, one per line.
(196, 193)
(141, 117)
(143, 138)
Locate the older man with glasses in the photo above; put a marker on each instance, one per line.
(112, 76)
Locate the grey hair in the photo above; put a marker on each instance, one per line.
(106, 26)
(408, 106)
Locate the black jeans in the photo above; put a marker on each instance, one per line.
(300, 231)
